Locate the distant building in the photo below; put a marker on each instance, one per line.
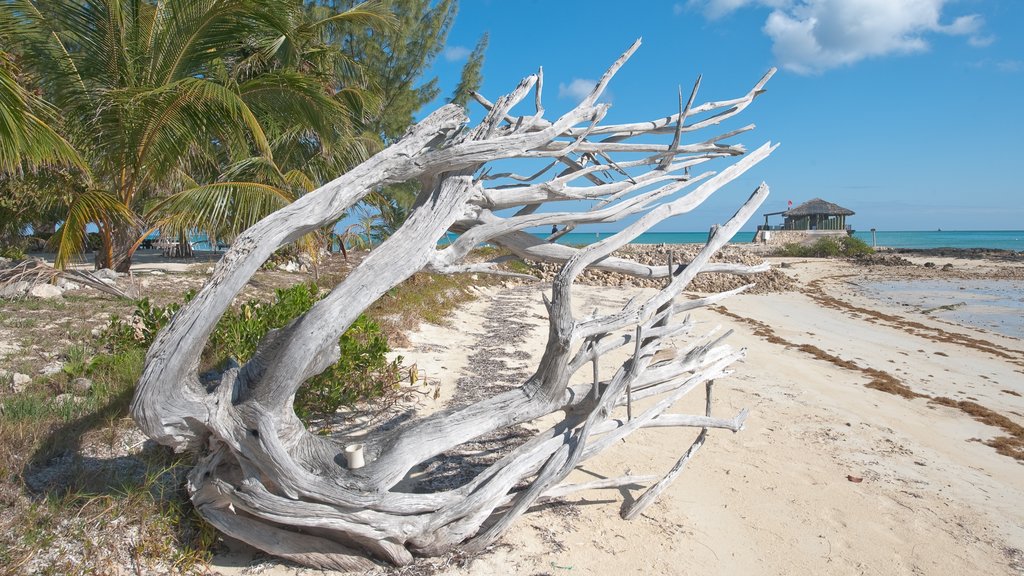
(816, 214)
(812, 218)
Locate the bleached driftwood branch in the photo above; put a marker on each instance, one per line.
(263, 478)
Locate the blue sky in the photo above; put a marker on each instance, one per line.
(908, 112)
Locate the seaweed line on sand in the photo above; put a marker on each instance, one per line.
(1011, 445)
(815, 291)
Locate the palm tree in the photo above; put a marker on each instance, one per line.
(170, 101)
(26, 138)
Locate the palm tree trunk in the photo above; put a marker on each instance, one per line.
(105, 255)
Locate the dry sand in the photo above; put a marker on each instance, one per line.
(829, 476)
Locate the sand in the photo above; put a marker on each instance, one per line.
(829, 476)
(777, 498)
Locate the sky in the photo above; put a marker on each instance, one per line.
(908, 112)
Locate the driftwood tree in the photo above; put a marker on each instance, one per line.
(264, 479)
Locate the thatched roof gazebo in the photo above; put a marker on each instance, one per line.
(816, 214)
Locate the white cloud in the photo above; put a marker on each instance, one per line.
(456, 53)
(981, 41)
(811, 36)
(715, 9)
(677, 9)
(1010, 65)
(577, 90)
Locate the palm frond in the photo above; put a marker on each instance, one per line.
(24, 136)
(223, 209)
(83, 208)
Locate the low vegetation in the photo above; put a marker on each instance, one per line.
(830, 247)
(86, 493)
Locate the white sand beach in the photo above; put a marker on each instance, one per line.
(829, 476)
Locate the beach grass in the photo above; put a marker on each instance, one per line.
(83, 490)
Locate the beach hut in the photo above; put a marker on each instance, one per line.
(816, 214)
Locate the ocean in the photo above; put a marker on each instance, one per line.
(996, 239)
(996, 305)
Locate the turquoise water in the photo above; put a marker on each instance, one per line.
(996, 305)
(1001, 239)
(578, 238)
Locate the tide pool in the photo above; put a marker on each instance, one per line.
(995, 305)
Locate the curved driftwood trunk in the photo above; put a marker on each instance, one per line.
(263, 478)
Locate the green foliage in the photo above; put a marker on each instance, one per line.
(853, 246)
(118, 370)
(238, 333)
(471, 76)
(76, 360)
(519, 267)
(828, 247)
(394, 60)
(362, 372)
(12, 252)
(139, 329)
(187, 113)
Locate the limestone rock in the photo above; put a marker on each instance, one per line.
(105, 274)
(81, 385)
(19, 382)
(44, 291)
(290, 266)
(14, 290)
(52, 368)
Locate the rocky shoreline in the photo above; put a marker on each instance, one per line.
(773, 280)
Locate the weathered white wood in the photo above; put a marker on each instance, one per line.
(263, 478)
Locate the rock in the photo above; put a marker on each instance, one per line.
(947, 266)
(64, 398)
(785, 265)
(105, 274)
(19, 382)
(289, 266)
(81, 385)
(14, 290)
(52, 368)
(157, 273)
(44, 291)
(64, 284)
(929, 264)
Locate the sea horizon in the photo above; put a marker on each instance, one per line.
(911, 239)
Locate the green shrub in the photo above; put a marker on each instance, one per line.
(238, 333)
(12, 252)
(139, 329)
(76, 360)
(853, 247)
(362, 372)
(829, 247)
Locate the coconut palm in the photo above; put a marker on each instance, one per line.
(26, 138)
(166, 97)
